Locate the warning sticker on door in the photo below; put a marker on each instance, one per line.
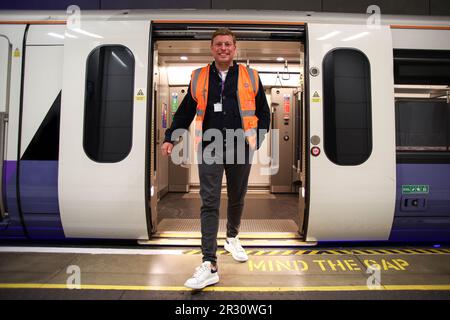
(140, 95)
(315, 97)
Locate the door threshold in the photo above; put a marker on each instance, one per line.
(220, 242)
(222, 235)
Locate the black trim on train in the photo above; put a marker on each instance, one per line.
(45, 142)
(423, 157)
(148, 210)
(243, 32)
(19, 139)
(307, 139)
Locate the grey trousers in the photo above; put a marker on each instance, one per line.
(210, 186)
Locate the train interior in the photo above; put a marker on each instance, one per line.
(273, 208)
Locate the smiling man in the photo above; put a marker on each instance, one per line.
(230, 104)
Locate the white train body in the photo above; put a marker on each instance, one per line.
(53, 189)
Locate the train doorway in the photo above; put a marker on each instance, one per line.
(274, 205)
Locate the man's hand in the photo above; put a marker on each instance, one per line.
(166, 148)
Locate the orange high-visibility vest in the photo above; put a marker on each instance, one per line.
(248, 82)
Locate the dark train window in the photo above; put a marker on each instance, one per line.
(424, 67)
(108, 113)
(422, 125)
(422, 110)
(347, 107)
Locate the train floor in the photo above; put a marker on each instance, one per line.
(142, 272)
(265, 216)
(257, 206)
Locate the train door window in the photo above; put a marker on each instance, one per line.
(422, 109)
(347, 107)
(108, 113)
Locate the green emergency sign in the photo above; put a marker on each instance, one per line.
(415, 188)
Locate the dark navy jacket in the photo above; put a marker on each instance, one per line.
(230, 117)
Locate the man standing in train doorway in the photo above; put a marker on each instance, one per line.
(232, 119)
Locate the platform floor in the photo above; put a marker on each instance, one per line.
(270, 273)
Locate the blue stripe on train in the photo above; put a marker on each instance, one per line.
(39, 200)
(429, 219)
(14, 229)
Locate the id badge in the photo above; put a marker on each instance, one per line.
(218, 107)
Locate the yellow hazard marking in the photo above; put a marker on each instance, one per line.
(346, 251)
(387, 264)
(278, 252)
(384, 251)
(140, 96)
(332, 252)
(226, 289)
(397, 251)
(326, 265)
(315, 97)
(409, 251)
(372, 251)
(192, 252)
(16, 53)
(437, 251)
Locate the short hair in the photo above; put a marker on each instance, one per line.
(223, 32)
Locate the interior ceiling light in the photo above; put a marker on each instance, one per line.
(184, 58)
(280, 59)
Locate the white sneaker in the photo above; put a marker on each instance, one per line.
(203, 276)
(233, 246)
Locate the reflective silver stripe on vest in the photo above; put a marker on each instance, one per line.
(247, 113)
(205, 86)
(240, 109)
(250, 132)
(200, 112)
(252, 78)
(195, 82)
(198, 132)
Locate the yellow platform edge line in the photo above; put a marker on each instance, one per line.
(228, 289)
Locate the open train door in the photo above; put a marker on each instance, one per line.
(103, 180)
(352, 132)
(5, 74)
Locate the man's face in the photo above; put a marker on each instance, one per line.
(223, 49)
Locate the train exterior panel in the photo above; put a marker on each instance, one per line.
(52, 188)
